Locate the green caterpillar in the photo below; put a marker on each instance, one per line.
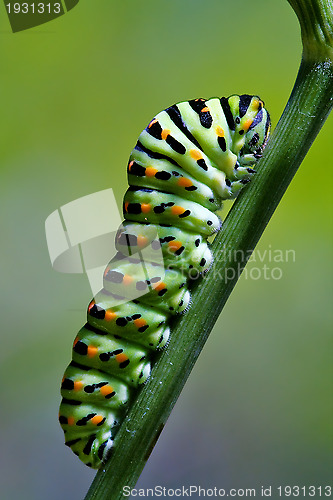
(190, 157)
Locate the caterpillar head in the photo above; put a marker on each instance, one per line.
(257, 135)
(251, 124)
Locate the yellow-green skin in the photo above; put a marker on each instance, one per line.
(190, 157)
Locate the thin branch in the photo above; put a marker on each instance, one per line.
(304, 115)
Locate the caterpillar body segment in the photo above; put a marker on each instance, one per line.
(188, 159)
(132, 321)
(180, 183)
(165, 208)
(190, 249)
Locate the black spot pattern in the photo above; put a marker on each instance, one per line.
(205, 117)
(244, 103)
(71, 402)
(154, 154)
(106, 356)
(67, 384)
(202, 164)
(176, 117)
(134, 208)
(222, 143)
(136, 169)
(85, 420)
(186, 213)
(227, 113)
(97, 312)
(80, 348)
(162, 175)
(121, 321)
(154, 129)
(89, 389)
(87, 448)
(176, 145)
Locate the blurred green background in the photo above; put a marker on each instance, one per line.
(76, 92)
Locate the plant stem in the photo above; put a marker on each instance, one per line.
(315, 18)
(304, 115)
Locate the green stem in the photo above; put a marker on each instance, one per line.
(304, 115)
(315, 18)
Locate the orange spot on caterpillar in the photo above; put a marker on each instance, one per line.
(76, 340)
(219, 130)
(127, 279)
(97, 419)
(130, 165)
(92, 351)
(159, 286)
(152, 122)
(246, 125)
(195, 154)
(184, 182)
(106, 389)
(177, 210)
(140, 322)
(142, 241)
(165, 133)
(120, 358)
(109, 315)
(70, 420)
(145, 208)
(151, 171)
(91, 305)
(205, 110)
(174, 245)
(78, 385)
(126, 206)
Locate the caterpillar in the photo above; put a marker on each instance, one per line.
(188, 159)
